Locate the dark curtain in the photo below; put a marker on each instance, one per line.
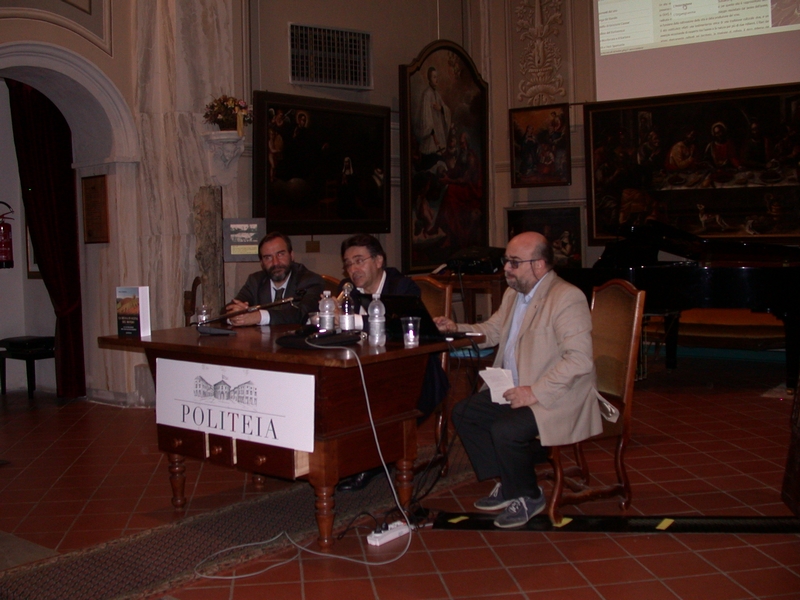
(44, 153)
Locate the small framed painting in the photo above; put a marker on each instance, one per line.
(564, 226)
(540, 151)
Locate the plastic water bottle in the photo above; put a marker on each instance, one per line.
(377, 321)
(327, 312)
(347, 317)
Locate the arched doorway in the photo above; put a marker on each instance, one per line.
(105, 142)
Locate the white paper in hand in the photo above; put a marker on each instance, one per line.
(498, 380)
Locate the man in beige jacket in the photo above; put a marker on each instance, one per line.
(542, 331)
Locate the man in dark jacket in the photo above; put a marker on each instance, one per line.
(365, 263)
(280, 277)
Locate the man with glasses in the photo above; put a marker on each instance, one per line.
(364, 261)
(280, 277)
(365, 264)
(543, 334)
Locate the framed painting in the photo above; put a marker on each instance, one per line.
(443, 156)
(320, 166)
(540, 152)
(563, 224)
(718, 165)
(240, 239)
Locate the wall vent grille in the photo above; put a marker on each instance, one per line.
(331, 57)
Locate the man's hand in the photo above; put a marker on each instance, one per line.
(252, 318)
(520, 396)
(445, 325)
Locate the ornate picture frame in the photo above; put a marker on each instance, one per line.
(562, 223)
(320, 166)
(444, 122)
(540, 146)
(721, 165)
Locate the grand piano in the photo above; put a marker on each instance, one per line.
(716, 274)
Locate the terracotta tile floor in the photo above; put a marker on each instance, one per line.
(705, 442)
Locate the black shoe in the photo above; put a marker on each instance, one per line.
(358, 481)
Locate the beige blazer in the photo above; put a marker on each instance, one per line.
(554, 357)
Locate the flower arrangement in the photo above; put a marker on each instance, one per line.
(225, 110)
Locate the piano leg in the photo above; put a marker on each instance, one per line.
(791, 328)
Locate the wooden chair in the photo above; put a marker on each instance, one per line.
(617, 309)
(438, 299)
(331, 284)
(190, 302)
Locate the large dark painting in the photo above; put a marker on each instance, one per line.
(320, 166)
(719, 165)
(444, 123)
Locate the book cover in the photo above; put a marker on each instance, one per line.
(133, 311)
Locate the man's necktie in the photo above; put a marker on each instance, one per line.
(278, 295)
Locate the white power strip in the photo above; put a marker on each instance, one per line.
(396, 530)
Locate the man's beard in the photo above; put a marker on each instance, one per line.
(513, 283)
(277, 273)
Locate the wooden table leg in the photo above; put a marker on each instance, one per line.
(405, 466)
(177, 479)
(325, 505)
(323, 476)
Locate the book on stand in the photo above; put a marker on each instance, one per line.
(133, 311)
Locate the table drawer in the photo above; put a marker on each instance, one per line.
(221, 450)
(181, 441)
(271, 460)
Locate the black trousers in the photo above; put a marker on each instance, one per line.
(501, 442)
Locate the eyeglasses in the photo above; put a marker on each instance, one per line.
(357, 261)
(515, 263)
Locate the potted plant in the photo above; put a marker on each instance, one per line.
(226, 112)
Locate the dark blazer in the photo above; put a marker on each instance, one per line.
(257, 290)
(396, 284)
(436, 385)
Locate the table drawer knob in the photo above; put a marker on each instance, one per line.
(177, 443)
(260, 460)
(216, 450)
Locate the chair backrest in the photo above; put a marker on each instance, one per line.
(617, 309)
(190, 302)
(436, 296)
(331, 284)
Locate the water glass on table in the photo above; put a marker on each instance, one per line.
(410, 331)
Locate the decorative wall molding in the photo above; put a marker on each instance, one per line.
(103, 129)
(537, 51)
(223, 149)
(103, 14)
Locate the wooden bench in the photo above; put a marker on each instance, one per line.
(727, 328)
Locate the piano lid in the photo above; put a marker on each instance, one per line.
(641, 244)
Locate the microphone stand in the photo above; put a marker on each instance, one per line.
(205, 328)
(250, 309)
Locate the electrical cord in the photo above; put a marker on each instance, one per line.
(418, 494)
(408, 521)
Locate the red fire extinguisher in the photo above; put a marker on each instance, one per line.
(6, 249)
